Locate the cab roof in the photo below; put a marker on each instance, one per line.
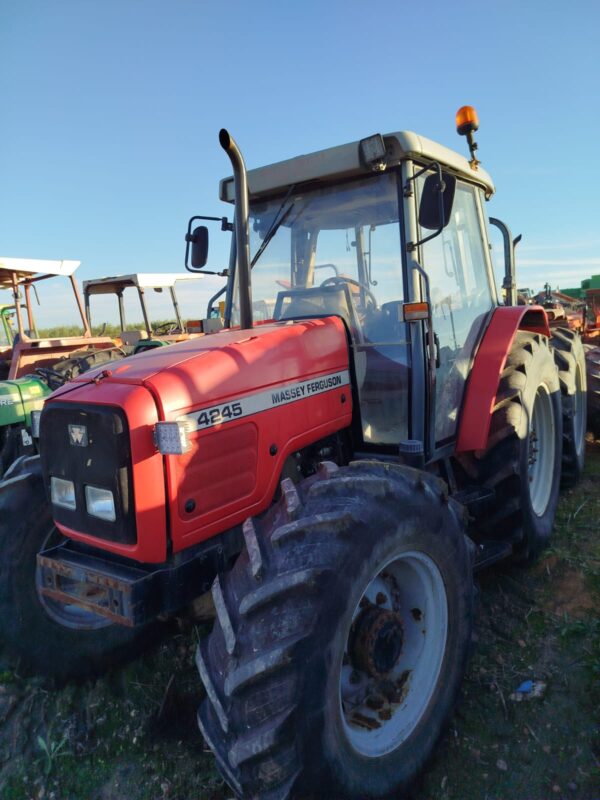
(141, 280)
(344, 161)
(27, 269)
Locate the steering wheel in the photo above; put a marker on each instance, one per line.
(336, 280)
(167, 328)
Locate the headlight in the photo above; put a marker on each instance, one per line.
(172, 437)
(62, 493)
(100, 503)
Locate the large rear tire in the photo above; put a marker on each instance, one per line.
(522, 461)
(569, 357)
(592, 357)
(43, 636)
(341, 638)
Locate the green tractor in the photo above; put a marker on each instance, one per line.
(31, 367)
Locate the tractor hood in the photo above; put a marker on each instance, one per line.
(18, 398)
(229, 363)
(248, 399)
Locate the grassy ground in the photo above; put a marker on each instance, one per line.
(133, 733)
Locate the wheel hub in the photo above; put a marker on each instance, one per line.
(376, 643)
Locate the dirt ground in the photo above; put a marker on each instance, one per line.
(132, 734)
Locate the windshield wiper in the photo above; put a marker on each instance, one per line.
(278, 220)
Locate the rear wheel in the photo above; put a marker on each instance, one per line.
(592, 357)
(522, 462)
(341, 637)
(569, 357)
(41, 635)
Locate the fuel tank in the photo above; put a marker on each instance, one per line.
(248, 398)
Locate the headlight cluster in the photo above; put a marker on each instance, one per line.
(99, 503)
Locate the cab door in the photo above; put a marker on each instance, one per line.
(462, 296)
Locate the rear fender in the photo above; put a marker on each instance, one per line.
(480, 394)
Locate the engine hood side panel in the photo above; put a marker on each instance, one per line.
(249, 407)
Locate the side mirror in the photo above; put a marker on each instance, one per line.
(199, 241)
(436, 203)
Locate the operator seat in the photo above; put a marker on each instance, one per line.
(131, 338)
(318, 301)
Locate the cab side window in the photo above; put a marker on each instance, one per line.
(456, 262)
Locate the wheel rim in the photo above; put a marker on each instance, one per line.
(542, 451)
(579, 413)
(401, 621)
(66, 614)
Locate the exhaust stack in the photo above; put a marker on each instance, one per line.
(241, 226)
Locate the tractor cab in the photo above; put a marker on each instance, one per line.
(151, 333)
(383, 240)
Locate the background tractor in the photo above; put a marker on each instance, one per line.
(153, 333)
(30, 365)
(334, 474)
(579, 310)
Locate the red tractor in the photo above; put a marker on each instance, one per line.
(335, 472)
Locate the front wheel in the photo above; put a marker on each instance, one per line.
(341, 638)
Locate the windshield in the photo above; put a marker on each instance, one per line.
(336, 251)
(346, 234)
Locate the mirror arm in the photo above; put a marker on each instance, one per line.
(408, 192)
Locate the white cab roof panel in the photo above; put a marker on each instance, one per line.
(343, 161)
(28, 268)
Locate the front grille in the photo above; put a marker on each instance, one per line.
(90, 446)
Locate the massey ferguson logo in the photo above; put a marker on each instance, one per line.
(78, 436)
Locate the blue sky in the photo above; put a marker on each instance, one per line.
(111, 110)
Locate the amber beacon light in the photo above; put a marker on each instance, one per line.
(467, 122)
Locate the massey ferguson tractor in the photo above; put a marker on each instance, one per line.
(335, 473)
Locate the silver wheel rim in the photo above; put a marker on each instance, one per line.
(66, 614)
(413, 588)
(542, 451)
(579, 421)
